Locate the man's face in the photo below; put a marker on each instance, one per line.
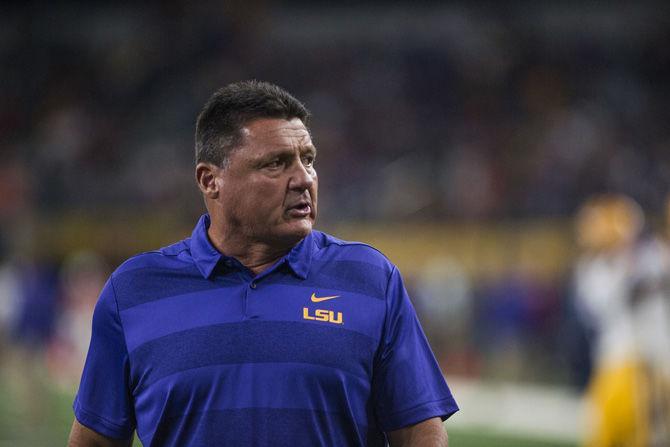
(269, 186)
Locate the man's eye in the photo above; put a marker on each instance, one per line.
(308, 161)
(274, 164)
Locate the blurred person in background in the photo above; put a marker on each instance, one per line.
(650, 296)
(9, 293)
(258, 330)
(81, 278)
(620, 297)
(34, 304)
(444, 302)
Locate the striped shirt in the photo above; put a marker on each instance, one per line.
(190, 348)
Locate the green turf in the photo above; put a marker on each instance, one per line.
(484, 438)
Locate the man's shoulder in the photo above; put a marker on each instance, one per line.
(350, 265)
(168, 257)
(155, 274)
(340, 249)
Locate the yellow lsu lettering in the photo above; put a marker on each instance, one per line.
(322, 315)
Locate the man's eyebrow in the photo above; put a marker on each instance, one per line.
(280, 152)
(272, 154)
(308, 148)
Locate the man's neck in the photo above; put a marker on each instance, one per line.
(254, 255)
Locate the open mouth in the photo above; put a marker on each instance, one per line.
(301, 209)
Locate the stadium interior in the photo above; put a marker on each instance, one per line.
(462, 140)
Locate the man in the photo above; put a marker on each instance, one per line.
(258, 330)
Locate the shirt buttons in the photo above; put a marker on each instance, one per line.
(253, 284)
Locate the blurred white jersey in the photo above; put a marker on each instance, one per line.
(651, 309)
(603, 283)
(624, 297)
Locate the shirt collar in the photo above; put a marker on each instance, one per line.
(206, 256)
(300, 256)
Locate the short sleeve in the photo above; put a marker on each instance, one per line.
(408, 386)
(103, 402)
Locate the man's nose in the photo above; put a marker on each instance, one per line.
(302, 177)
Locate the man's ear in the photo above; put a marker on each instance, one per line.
(206, 177)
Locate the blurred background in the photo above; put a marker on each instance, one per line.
(512, 159)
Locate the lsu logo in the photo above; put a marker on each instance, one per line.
(328, 316)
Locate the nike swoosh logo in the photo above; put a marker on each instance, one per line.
(316, 299)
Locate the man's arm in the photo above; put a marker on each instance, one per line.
(429, 433)
(82, 436)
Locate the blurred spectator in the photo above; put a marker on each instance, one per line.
(443, 299)
(516, 324)
(81, 278)
(31, 331)
(38, 305)
(9, 296)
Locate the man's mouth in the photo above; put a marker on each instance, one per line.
(300, 209)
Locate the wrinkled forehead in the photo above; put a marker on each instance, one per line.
(277, 131)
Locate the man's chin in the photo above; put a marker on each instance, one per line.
(295, 231)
